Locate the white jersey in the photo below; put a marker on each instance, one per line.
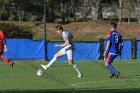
(67, 34)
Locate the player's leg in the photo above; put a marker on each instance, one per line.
(56, 56)
(116, 73)
(5, 59)
(109, 66)
(71, 62)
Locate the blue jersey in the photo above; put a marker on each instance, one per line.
(115, 41)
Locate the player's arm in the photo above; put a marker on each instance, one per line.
(4, 40)
(121, 47)
(108, 44)
(107, 48)
(2, 37)
(64, 44)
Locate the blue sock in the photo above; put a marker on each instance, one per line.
(111, 68)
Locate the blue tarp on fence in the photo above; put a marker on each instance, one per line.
(34, 49)
(83, 51)
(126, 52)
(138, 49)
(25, 48)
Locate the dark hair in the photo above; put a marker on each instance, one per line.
(113, 24)
(59, 27)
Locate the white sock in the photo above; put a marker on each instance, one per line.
(51, 62)
(76, 69)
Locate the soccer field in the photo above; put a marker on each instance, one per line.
(61, 78)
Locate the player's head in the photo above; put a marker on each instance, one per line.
(59, 29)
(113, 25)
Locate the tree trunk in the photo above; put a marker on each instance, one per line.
(52, 12)
(120, 11)
(20, 14)
(85, 9)
(138, 3)
(95, 9)
(63, 5)
(128, 19)
(139, 20)
(95, 13)
(100, 13)
(74, 9)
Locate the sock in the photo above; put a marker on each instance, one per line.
(5, 59)
(111, 68)
(51, 62)
(76, 69)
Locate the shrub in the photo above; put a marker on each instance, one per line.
(14, 31)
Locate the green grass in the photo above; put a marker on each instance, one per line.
(61, 78)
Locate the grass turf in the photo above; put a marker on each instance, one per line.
(62, 78)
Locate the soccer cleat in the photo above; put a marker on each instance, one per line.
(80, 75)
(117, 75)
(112, 75)
(44, 66)
(12, 64)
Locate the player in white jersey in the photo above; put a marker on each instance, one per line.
(68, 48)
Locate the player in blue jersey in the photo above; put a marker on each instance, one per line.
(113, 49)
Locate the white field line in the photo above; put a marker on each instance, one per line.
(95, 82)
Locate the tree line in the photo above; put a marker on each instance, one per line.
(70, 10)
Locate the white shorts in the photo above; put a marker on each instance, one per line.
(67, 50)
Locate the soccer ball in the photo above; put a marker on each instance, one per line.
(39, 72)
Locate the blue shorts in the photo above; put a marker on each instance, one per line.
(110, 57)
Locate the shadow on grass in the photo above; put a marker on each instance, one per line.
(135, 90)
